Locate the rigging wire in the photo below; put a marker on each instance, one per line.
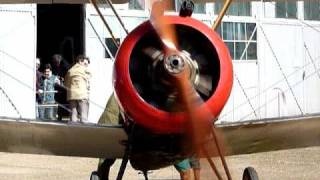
(281, 69)
(11, 102)
(271, 86)
(297, 83)
(17, 60)
(94, 3)
(237, 78)
(304, 23)
(100, 40)
(312, 60)
(117, 15)
(245, 94)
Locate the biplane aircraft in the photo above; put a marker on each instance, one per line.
(172, 77)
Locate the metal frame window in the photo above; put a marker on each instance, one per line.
(111, 46)
(199, 8)
(238, 35)
(312, 10)
(137, 4)
(170, 5)
(286, 9)
(237, 8)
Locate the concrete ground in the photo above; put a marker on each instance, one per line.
(300, 164)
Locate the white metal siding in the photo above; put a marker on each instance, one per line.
(101, 82)
(272, 97)
(17, 60)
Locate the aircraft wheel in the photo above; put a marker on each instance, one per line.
(250, 174)
(94, 176)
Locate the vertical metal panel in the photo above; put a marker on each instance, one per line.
(17, 60)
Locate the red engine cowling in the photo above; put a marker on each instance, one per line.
(140, 84)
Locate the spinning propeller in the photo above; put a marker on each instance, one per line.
(182, 73)
(173, 74)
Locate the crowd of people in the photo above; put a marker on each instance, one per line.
(63, 89)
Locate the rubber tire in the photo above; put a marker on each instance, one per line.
(94, 176)
(250, 173)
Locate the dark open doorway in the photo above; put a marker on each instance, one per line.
(60, 30)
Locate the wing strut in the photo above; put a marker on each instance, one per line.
(94, 3)
(117, 15)
(221, 14)
(217, 144)
(101, 41)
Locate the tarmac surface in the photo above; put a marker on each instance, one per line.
(300, 164)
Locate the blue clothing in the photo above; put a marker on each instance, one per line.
(188, 163)
(183, 165)
(47, 85)
(47, 110)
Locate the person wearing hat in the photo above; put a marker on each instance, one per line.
(77, 82)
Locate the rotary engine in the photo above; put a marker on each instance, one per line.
(143, 74)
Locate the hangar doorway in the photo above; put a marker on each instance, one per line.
(60, 30)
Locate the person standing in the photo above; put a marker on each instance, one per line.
(47, 96)
(77, 82)
(60, 68)
(38, 86)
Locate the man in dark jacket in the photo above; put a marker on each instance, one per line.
(39, 77)
(59, 68)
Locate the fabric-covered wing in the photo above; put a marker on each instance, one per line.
(52, 138)
(272, 134)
